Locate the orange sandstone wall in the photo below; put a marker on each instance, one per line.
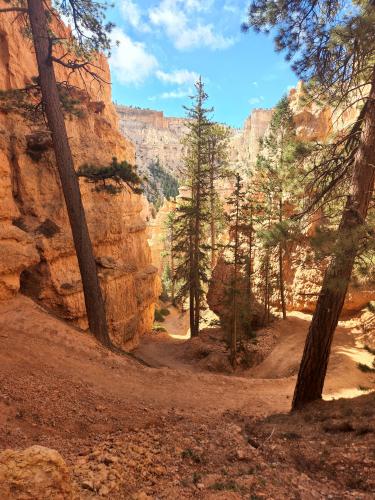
(36, 248)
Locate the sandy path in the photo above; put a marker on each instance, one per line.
(60, 389)
(37, 349)
(344, 379)
(31, 341)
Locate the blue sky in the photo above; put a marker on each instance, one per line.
(166, 44)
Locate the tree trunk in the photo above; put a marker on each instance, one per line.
(266, 317)
(212, 215)
(197, 236)
(250, 266)
(281, 266)
(315, 358)
(91, 288)
(193, 333)
(233, 353)
(197, 262)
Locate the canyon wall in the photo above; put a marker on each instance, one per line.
(244, 143)
(36, 248)
(155, 136)
(158, 136)
(303, 274)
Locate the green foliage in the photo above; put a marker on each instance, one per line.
(90, 28)
(226, 486)
(191, 454)
(239, 254)
(159, 184)
(72, 105)
(336, 52)
(117, 173)
(191, 216)
(280, 192)
(28, 101)
(158, 316)
(159, 329)
(335, 58)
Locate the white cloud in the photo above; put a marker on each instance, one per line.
(179, 77)
(131, 12)
(133, 15)
(174, 94)
(130, 60)
(198, 5)
(172, 16)
(256, 100)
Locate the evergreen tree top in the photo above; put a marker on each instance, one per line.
(331, 42)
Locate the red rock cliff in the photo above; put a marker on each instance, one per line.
(36, 247)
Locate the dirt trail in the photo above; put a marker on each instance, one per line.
(41, 345)
(168, 432)
(344, 379)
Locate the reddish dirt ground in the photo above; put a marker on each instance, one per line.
(130, 431)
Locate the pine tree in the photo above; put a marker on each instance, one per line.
(218, 165)
(334, 50)
(192, 217)
(89, 35)
(170, 226)
(239, 254)
(278, 181)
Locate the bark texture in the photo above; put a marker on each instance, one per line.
(69, 181)
(315, 358)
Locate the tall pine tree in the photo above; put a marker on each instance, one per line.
(334, 50)
(218, 166)
(278, 182)
(89, 35)
(192, 214)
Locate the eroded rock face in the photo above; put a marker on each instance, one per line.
(155, 136)
(36, 473)
(244, 144)
(36, 247)
(160, 137)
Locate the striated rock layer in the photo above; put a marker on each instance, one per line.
(36, 247)
(155, 136)
(244, 144)
(160, 137)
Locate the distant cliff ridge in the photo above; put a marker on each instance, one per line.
(157, 136)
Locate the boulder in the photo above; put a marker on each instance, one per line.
(36, 473)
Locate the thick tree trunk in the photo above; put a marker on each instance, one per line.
(315, 358)
(266, 318)
(93, 297)
(212, 221)
(281, 266)
(233, 354)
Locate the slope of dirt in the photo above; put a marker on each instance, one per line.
(280, 344)
(129, 431)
